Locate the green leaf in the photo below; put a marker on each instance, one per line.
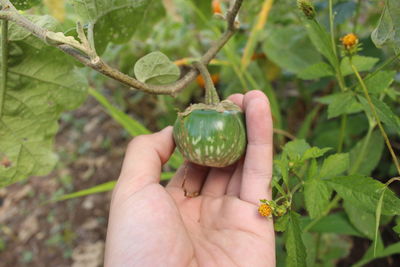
(361, 219)
(385, 114)
(364, 192)
(316, 71)
(39, 89)
(116, 21)
(281, 224)
(90, 191)
(314, 152)
(343, 103)
(132, 126)
(295, 149)
(334, 165)
(320, 39)
(379, 82)
(290, 49)
(316, 193)
(363, 160)
(25, 4)
(296, 251)
(16, 33)
(156, 68)
(362, 63)
(101, 188)
(336, 223)
(387, 31)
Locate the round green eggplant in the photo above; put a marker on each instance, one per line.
(211, 135)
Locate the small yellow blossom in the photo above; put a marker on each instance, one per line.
(349, 41)
(265, 210)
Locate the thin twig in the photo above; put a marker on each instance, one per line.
(375, 114)
(83, 56)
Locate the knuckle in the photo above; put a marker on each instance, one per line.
(257, 173)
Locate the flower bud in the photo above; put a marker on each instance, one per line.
(307, 8)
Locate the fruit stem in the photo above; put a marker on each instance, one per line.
(212, 97)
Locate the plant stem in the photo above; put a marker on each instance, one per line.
(378, 69)
(4, 64)
(99, 65)
(331, 26)
(361, 155)
(331, 205)
(212, 97)
(343, 124)
(378, 120)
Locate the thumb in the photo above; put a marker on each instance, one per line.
(143, 161)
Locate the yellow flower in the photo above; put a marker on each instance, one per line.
(349, 41)
(265, 210)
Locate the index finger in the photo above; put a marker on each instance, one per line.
(257, 169)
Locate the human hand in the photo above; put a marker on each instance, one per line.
(152, 225)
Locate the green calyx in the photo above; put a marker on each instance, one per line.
(211, 134)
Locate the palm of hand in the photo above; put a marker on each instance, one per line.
(155, 226)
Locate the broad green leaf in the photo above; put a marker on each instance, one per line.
(280, 224)
(343, 103)
(16, 33)
(314, 152)
(296, 251)
(281, 165)
(379, 82)
(316, 71)
(337, 223)
(116, 21)
(387, 31)
(290, 49)
(101, 188)
(311, 248)
(25, 4)
(320, 39)
(384, 112)
(295, 149)
(39, 89)
(316, 193)
(364, 192)
(365, 157)
(362, 63)
(361, 219)
(156, 68)
(132, 126)
(334, 165)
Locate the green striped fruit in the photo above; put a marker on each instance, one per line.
(211, 135)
